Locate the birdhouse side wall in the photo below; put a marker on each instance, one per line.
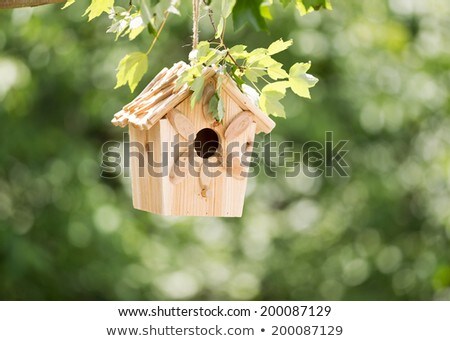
(146, 188)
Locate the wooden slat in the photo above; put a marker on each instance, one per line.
(161, 87)
(263, 122)
(140, 180)
(163, 107)
(145, 106)
(175, 69)
(146, 89)
(149, 108)
(154, 109)
(117, 117)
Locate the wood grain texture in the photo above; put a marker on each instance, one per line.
(26, 3)
(162, 95)
(182, 124)
(151, 181)
(205, 178)
(239, 124)
(201, 187)
(149, 86)
(178, 171)
(263, 122)
(214, 193)
(141, 184)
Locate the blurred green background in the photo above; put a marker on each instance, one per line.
(381, 234)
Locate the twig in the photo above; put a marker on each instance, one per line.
(254, 85)
(26, 3)
(221, 37)
(211, 16)
(234, 60)
(166, 15)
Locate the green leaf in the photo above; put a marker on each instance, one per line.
(214, 101)
(239, 52)
(275, 71)
(253, 74)
(210, 55)
(269, 101)
(118, 11)
(308, 6)
(188, 76)
(151, 29)
(236, 77)
(264, 61)
(215, 57)
(256, 56)
(153, 11)
(220, 110)
(134, 32)
(264, 9)
(197, 87)
(203, 49)
(227, 7)
(205, 55)
(274, 68)
(119, 27)
(279, 46)
(97, 7)
(220, 28)
(301, 81)
(172, 9)
(279, 87)
(137, 25)
(251, 93)
(68, 3)
(131, 69)
(248, 11)
(216, 107)
(146, 12)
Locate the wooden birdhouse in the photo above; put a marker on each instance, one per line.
(183, 161)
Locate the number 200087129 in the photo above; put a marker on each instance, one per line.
(304, 311)
(307, 330)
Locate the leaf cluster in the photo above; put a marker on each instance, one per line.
(253, 67)
(124, 22)
(257, 13)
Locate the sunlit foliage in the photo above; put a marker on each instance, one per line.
(382, 233)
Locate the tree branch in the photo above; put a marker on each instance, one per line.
(26, 3)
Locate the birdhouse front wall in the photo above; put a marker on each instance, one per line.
(192, 194)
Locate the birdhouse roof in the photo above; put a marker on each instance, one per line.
(161, 95)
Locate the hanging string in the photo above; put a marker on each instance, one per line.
(196, 19)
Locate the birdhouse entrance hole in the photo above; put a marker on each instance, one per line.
(206, 143)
